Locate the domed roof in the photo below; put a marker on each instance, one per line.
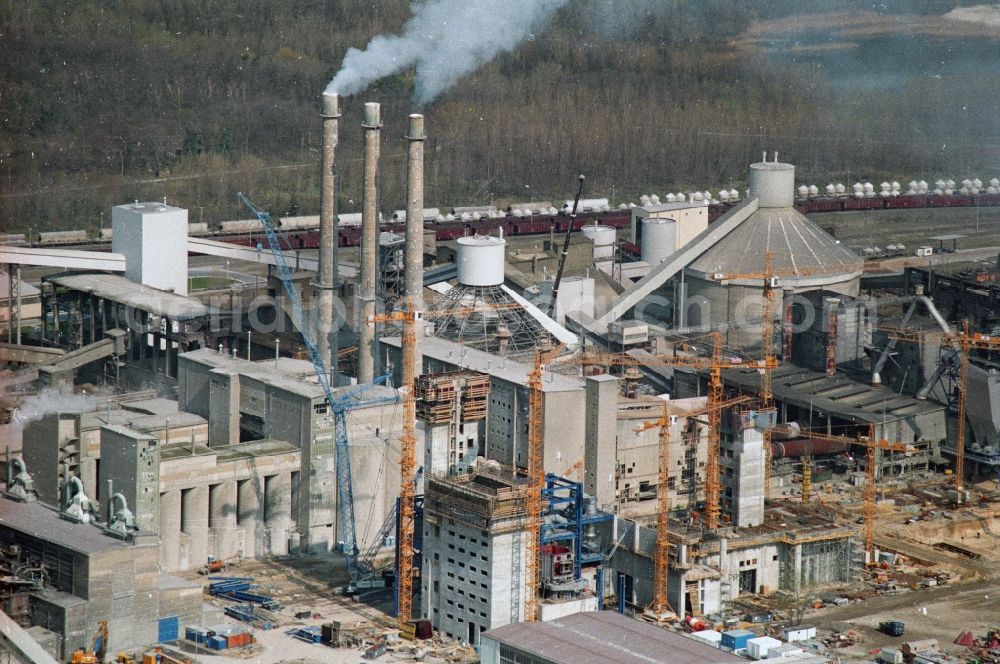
(798, 246)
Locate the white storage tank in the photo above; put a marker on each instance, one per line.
(603, 238)
(480, 260)
(773, 183)
(659, 240)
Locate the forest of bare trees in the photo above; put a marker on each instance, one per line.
(193, 100)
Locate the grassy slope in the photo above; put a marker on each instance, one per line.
(197, 99)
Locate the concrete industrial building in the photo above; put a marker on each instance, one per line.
(242, 463)
(804, 256)
(564, 399)
(473, 577)
(153, 239)
(660, 230)
(637, 453)
(93, 576)
(282, 401)
(708, 571)
(452, 407)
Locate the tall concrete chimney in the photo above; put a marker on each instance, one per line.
(326, 277)
(415, 219)
(367, 352)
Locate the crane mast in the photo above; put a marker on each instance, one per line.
(408, 316)
(340, 406)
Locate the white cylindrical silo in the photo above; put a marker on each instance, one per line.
(773, 183)
(603, 238)
(659, 240)
(480, 260)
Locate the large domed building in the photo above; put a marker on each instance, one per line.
(803, 256)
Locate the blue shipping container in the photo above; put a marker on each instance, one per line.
(736, 639)
(218, 643)
(169, 629)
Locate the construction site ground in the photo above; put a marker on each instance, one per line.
(312, 583)
(931, 613)
(910, 522)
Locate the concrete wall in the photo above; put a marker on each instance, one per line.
(131, 460)
(209, 506)
(742, 463)
(41, 454)
(193, 386)
(224, 408)
(638, 459)
(467, 577)
(739, 307)
(600, 444)
(153, 239)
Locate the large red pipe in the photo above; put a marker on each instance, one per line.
(804, 446)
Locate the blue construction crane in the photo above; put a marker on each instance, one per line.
(339, 405)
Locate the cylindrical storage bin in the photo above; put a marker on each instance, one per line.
(603, 238)
(659, 240)
(773, 183)
(480, 260)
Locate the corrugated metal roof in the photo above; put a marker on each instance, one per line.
(795, 242)
(605, 636)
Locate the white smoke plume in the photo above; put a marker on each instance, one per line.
(47, 401)
(444, 40)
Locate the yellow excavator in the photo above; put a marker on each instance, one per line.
(98, 647)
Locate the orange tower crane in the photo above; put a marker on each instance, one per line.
(536, 472)
(407, 454)
(536, 481)
(771, 279)
(714, 364)
(660, 603)
(966, 342)
(871, 445)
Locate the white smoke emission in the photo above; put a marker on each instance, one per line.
(47, 401)
(444, 40)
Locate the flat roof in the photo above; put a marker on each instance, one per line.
(141, 422)
(838, 394)
(289, 374)
(606, 636)
(463, 357)
(43, 521)
(946, 237)
(117, 288)
(256, 448)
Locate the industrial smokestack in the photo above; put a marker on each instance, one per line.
(367, 353)
(326, 277)
(415, 219)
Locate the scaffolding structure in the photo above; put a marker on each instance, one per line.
(490, 499)
(486, 318)
(452, 396)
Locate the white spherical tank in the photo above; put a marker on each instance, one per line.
(659, 240)
(773, 183)
(480, 260)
